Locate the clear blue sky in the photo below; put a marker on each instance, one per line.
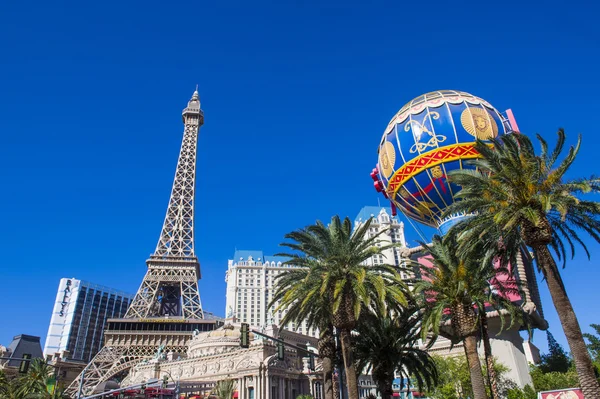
(296, 96)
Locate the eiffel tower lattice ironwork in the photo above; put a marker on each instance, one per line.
(170, 287)
(166, 309)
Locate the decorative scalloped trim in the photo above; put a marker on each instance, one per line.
(412, 108)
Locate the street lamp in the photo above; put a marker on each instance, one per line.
(176, 383)
(80, 390)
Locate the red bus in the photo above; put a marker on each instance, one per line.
(148, 393)
(160, 393)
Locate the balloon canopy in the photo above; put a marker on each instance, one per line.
(430, 136)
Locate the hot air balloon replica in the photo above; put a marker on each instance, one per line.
(428, 138)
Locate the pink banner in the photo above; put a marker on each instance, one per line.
(512, 121)
(569, 393)
(503, 279)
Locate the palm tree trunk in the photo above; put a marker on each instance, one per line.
(351, 381)
(385, 389)
(489, 359)
(327, 364)
(384, 380)
(327, 352)
(470, 344)
(336, 387)
(570, 325)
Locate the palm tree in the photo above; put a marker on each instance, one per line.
(224, 389)
(521, 197)
(594, 342)
(386, 345)
(457, 289)
(336, 256)
(31, 385)
(292, 287)
(35, 381)
(496, 295)
(3, 383)
(9, 387)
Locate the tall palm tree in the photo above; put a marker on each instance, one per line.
(523, 197)
(496, 296)
(456, 289)
(292, 287)
(337, 257)
(389, 345)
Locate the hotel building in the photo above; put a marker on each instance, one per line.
(78, 318)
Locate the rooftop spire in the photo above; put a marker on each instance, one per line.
(193, 106)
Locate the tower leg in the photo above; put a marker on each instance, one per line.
(192, 308)
(108, 362)
(145, 298)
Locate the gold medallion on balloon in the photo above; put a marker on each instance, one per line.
(479, 123)
(387, 158)
(437, 172)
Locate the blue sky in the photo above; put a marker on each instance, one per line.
(296, 96)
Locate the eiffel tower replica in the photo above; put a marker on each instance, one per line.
(166, 309)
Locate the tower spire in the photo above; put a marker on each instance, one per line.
(177, 235)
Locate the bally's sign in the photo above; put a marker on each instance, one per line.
(64, 302)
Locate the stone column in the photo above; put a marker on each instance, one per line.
(508, 347)
(261, 378)
(258, 384)
(528, 305)
(240, 388)
(267, 384)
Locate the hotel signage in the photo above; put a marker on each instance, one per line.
(162, 321)
(64, 302)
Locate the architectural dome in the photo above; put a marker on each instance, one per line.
(430, 136)
(216, 341)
